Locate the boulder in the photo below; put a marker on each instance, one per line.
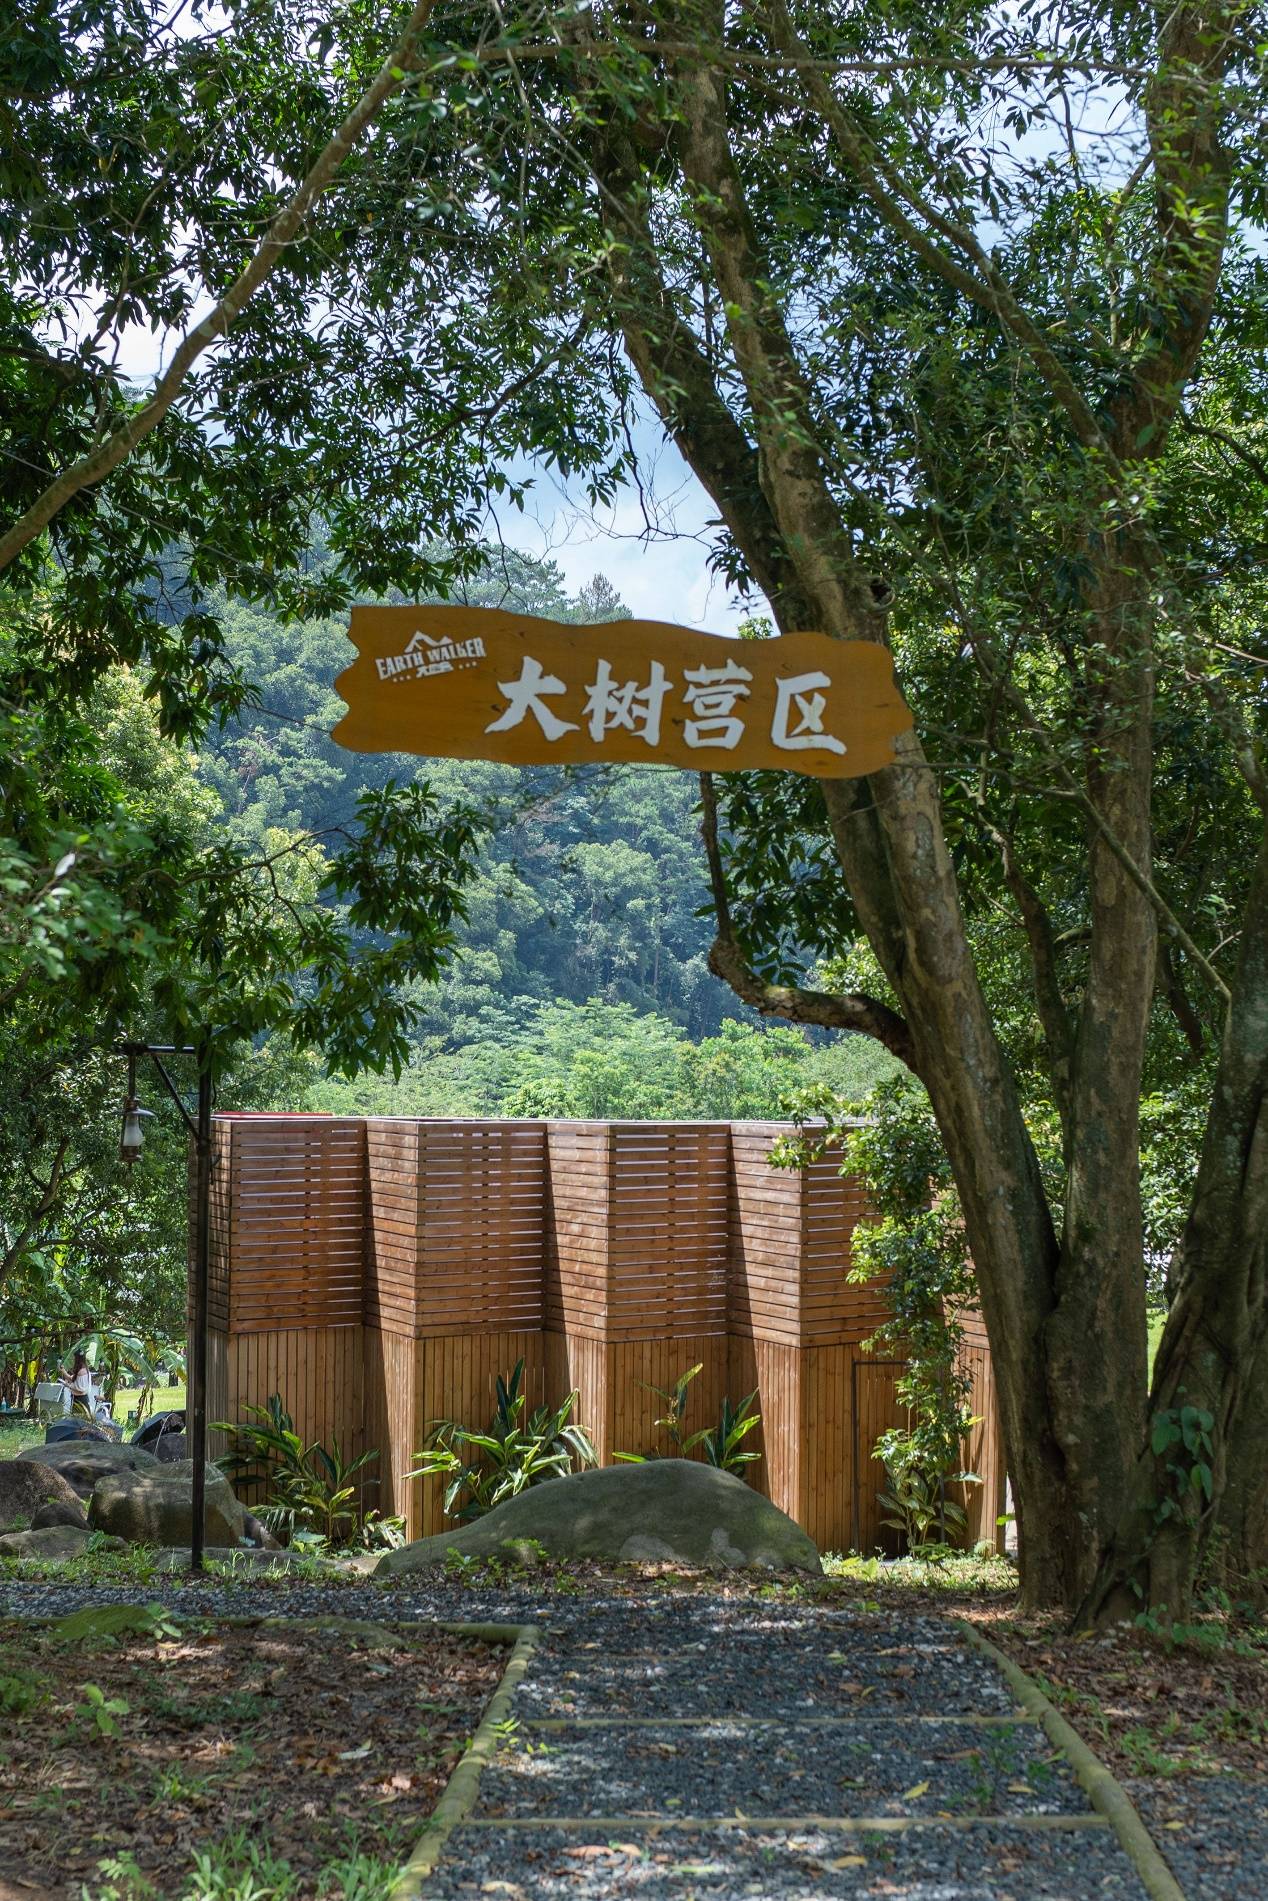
(158, 1426)
(24, 1487)
(171, 1448)
(84, 1461)
(54, 1541)
(670, 1510)
(154, 1505)
(60, 1511)
(73, 1428)
(258, 1533)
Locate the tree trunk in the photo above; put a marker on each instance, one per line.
(1210, 1495)
(1065, 1317)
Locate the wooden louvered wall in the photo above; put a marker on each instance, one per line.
(381, 1274)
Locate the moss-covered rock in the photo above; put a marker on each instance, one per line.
(24, 1488)
(155, 1506)
(666, 1510)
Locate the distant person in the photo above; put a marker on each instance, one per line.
(79, 1383)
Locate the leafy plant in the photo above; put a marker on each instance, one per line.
(722, 1444)
(672, 1420)
(238, 1868)
(482, 1469)
(19, 1692)
(125, 1881)
(96, 1623)
(916, 1500)
(313, 1497)
(1182, 1438)
(102, 1710)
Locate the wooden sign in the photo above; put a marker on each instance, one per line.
(480, 683)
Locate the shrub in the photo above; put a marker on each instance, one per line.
(482, 1469)
(313, 1491)
(721, 1443)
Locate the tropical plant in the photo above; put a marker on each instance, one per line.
(722, 1444)
(917, 1500)
(314, 1496)
(520, 1449)
(672, 1420)
(121, 1358)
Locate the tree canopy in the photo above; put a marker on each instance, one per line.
(960, 325)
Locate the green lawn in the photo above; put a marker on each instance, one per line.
(166, 1399)
(16, 1433)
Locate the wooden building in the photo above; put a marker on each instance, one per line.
(379, 1274)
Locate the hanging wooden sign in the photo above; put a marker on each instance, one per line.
(481, 683)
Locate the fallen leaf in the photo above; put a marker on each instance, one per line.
(848, 1861)
(355, 1755)
(1020, 1788)
(909, 1795)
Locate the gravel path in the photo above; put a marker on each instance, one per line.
(737, 1748)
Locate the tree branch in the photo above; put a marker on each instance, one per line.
(985, 284)
(1054, 1016)
(94, 467)
(794, 478)
(866, 1016)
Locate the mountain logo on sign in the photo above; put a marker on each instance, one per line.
(424, 655)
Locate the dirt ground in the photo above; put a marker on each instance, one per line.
(321, 1747)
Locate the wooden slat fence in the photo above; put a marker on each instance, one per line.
(382, 1273)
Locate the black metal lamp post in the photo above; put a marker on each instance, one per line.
(199, 1126)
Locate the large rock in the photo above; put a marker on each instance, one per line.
(24, 1487)
(55, 1541)
(73, 1428)
(667, 1509)
(154, 1505)
(60, 1511)
(84, 1462)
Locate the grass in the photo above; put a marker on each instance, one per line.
(17, 1432)
(942, 1583)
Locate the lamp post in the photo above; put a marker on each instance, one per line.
(130, 1142)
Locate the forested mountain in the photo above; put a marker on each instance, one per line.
(583, 945)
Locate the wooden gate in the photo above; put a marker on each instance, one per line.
(874, 1408)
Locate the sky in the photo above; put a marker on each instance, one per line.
(652, 546)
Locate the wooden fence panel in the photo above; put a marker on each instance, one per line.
(827, 1463)
(875, 1407)
(575, 1293)
(791, 1231)
(668, 1233)
(316, 1371)
(382, 1273)
(291, 1190)
(391, 1384)
(983, 1450)
(391, 1238)
(457, 1226)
